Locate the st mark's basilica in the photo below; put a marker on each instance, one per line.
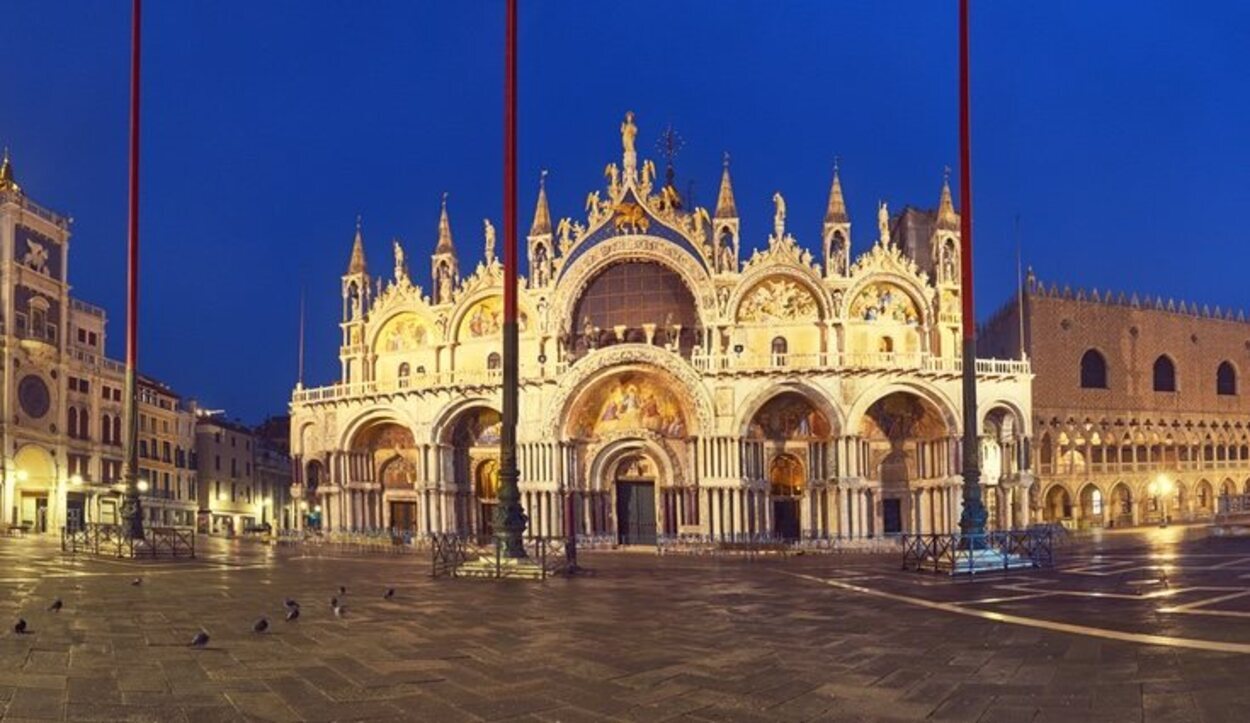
(674, 381)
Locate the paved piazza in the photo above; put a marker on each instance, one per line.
(1151, 625)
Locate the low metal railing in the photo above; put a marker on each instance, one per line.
(115, 541)
(1033, 547)
(450, 552)
(753, 545)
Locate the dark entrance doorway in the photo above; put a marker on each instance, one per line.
(786, 518)
(892, 516)
(635, 513)
(75, 506)
(403, 516)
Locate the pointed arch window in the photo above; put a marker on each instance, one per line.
(1164, 374)
(1093, 370)
(1226, 379)
(779, 349)
(403, 373)
(73, 421)
(494, 361)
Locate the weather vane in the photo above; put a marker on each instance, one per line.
(669, 145)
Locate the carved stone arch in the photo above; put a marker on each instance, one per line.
(1017, 412)
(606, 362)
(575, 278)
(376, 325)
(944, 405)
(761, 274)
(467, 302)
(602, 456)
(371, 416)
(818, 398)
(445, 418)
(302, 442)
(922, 295)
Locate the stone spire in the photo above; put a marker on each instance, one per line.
(725, 206)
(542, 215)
(6, 175)
(445, 245)
(947, 219)
(836, 210)
(357, 263)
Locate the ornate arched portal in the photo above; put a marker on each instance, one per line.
(473, 437)
(382, 471)
(792, 437)
(627, 413)
(908, 452)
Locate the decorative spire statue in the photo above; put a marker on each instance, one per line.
(883, 222)
(629, 132)
(490, 241)
(401, 269)
(779, 216)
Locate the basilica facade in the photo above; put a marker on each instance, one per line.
(673, 380)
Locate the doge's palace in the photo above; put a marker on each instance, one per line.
(673, 381)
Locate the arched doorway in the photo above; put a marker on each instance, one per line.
(1092, 505)
(474, 440)
(634, 481)
(384, 454)
(398, 475)
(785, 485)
(907, 443)
(1204, 503)
(34, 470)
(793, 438)
(1121, 505)
(1058, 505)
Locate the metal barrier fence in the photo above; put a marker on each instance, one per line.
(449, 554)
(1232, 505)
(115, 541)
(1007, 550)
(753, 545)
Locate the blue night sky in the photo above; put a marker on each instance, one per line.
(1115, 130)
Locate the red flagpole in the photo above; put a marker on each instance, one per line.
(972, 519)
(130, 478)
(510, 519)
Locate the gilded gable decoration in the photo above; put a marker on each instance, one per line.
(778, 299)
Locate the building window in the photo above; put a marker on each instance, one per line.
(117, 429)
(73, 422)
(1165, 375)
(82, 335)
(403, 371)
(1093, 370)
(493, 361)
(92, 338)
(1226, 379)
(1096, 502)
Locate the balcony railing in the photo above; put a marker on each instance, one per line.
(709, 363)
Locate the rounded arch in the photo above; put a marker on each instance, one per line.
(605, 460)
(400, 329)
(766, 393)
(444, 420)
(35, 466)
(1204, 497)
(627, 402)
(916, 293)
(1012, 408)
(304, 435)
(314, 475)
(816, 307)
(584, 267)
(786, 475)
(945, 407)
(480, 315)
(592, 368)
(374, 417)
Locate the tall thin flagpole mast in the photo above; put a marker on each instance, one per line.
(510, 520)
(972, 519)
(132, 505)
(300, 379)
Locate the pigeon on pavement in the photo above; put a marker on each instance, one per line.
(390, 593)
(292, 614)
(261, 625)
(290, 603)
(56, 605)
(137, 581)
(334, 601)
(200, 640)
(20, 626)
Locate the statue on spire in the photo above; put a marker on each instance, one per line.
(401, 268)
(883, 222)
(779, 215)
(629, 131)
(490, 239)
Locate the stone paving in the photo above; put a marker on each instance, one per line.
(643, 639)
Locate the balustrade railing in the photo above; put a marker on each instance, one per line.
(703, 362)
